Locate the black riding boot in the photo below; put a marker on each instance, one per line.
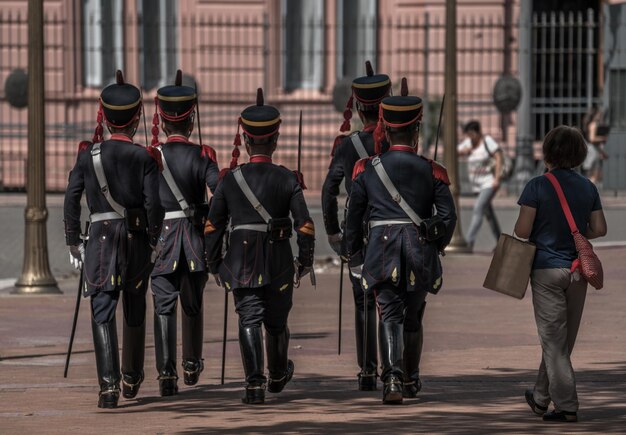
(132, 359)
(193, 331)
(367, 348)
(107, 362)
(165, 349)
(391, 344)
(279, 366)
(251, 345)
(413, 343)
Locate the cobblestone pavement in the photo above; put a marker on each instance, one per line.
(481, 351)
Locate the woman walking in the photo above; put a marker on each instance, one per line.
(558, 291)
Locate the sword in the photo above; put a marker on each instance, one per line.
(340, 303)
(77, 307)
(195, 85)
(143, 115)
(224, 336)
(443, 99)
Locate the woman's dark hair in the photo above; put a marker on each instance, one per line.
(472, 125)
(564, 147)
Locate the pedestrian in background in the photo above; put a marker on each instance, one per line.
(558, 292)
(484, 157)
(595, 135)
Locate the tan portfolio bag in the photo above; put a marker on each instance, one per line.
(510, 267)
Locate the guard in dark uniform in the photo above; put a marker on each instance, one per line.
(401, 264)
(121, 181)
(258, 266)
(180, 270)
(368, 92)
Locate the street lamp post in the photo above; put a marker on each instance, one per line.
(36, 277)
(458, 243)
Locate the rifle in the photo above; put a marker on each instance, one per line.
(77, 307)
(443, 99)
(224, 336)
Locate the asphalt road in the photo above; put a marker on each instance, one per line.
(12, 230)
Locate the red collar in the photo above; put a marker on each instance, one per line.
(177, 138)
(405, 148)
(121, 137)
(260, 158)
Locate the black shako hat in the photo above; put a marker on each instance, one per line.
(397, 112)
(121, 102)
(120, 105)
(368, 90)
(258, 121)
(173, 103)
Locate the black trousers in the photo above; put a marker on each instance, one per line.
(359, 295)
(104, 305)
(183, 283)
(269, 305)
(396, 305)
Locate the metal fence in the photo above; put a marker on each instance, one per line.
(298, 64)
(565, 82)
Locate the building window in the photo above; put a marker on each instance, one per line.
(103, 36)
(356, 36)
(303, 42)
(158, 58)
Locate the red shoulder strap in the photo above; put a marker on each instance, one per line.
(440, 172)
(156, 155)
(83, 145)
(564, 205)
(209, 152)
(359, 167)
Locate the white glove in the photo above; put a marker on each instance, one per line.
(77, 255)
(356, 271)
(334, 240)
(217, 279)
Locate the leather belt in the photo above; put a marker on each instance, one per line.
(373, 224)
(252, 227)
(178, 214)
(108, 216)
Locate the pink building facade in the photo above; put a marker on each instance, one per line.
(296, 50)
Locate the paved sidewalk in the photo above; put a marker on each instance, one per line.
(481, 351)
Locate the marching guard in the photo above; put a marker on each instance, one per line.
(368, 91)
(180, 270)
(120, 179)
(401, 264)
(258, 266)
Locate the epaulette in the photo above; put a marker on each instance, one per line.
(223, 173)
(83, 145)
(308, 228)
(209, 152)
(300, 178)
(359, 166)
(337, 141)
(440, 172)
(155, 154)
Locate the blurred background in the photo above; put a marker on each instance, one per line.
(304, 53)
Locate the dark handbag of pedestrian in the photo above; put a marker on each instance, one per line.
(136, 220)
(587, 262)
(510, 267)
